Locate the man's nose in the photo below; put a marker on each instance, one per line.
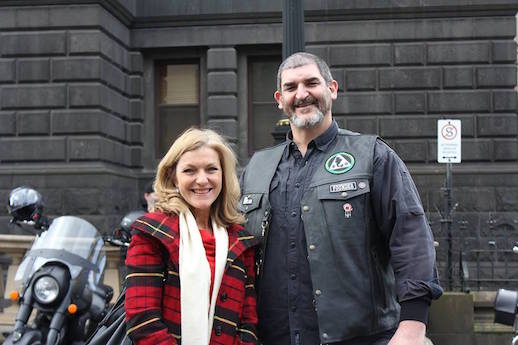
(302, 92)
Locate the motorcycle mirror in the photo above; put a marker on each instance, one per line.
(506, 304)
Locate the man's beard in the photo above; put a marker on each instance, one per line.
(311, 121)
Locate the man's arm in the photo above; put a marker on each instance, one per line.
(400, 216)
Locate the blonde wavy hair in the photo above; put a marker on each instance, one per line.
(224, 209)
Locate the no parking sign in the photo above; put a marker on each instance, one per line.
(448, 141)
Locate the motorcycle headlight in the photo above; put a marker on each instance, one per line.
(46, 289)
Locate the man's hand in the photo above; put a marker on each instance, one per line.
(409, 332)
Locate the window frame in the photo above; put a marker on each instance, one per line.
(268, 55)
(149, 158)
(157, 80)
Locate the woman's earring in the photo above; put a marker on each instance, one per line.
(177, 190)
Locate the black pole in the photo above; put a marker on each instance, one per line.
(292, 27)
(446, 222)
(292, 42)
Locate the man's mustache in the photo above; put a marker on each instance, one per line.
(309, 100)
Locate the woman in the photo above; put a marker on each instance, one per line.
(191, 266)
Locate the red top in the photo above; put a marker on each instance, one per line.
(153, 320)
(209, 242)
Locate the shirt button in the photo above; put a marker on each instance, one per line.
(325, 336)
(293, 308)
(318, 292)
(293, 276)
(344, 194)
(312, 247)
(294, 214)
(223, 297)
(218, 330)
(305, 208)
(297, 185)
(292, 245)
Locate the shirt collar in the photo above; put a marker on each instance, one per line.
(321, 142)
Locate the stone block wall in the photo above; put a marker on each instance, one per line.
(70, 110)
(222, 100)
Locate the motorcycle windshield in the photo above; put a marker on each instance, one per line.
(70, 240)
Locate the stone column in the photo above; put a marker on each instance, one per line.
(222, 103)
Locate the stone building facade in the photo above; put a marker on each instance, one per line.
(92, 92)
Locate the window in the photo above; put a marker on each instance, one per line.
(263, 111)
(178, 102)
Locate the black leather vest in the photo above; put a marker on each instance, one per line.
(353, 282)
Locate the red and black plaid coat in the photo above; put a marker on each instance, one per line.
(153, 286)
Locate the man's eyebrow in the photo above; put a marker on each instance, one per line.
(312, 80)
(306, 81)
(288, 83)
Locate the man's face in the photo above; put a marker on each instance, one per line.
(305, 97)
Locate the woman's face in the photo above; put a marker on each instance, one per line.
(199, 178)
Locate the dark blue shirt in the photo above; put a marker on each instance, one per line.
(286, 298)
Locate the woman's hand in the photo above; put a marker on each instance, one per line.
(409, 332)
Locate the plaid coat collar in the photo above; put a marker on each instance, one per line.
(166, 228)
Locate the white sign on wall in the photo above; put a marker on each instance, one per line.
(448, 141)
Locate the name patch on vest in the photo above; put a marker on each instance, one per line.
(342, 187)
(339, 163)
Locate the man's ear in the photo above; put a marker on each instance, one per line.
(278, 97)
(333, 88)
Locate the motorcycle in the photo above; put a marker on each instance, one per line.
(60, 277)
(506, 307)
(112, 329)
(121, 236)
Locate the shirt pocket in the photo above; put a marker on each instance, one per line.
(343, 203)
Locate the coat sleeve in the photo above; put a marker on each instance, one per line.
(144, 289)
(248, 323)
(400, 216)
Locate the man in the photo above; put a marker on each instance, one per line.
(347, 255)
(149, 197)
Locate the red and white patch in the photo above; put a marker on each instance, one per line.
(348, 210)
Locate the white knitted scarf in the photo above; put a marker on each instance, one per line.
(197, 307)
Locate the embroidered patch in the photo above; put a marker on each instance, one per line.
(339, 163)
(247, 200)
(342, 187)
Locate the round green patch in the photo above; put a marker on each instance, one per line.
(339, 163)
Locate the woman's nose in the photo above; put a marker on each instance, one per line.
(201, 178)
